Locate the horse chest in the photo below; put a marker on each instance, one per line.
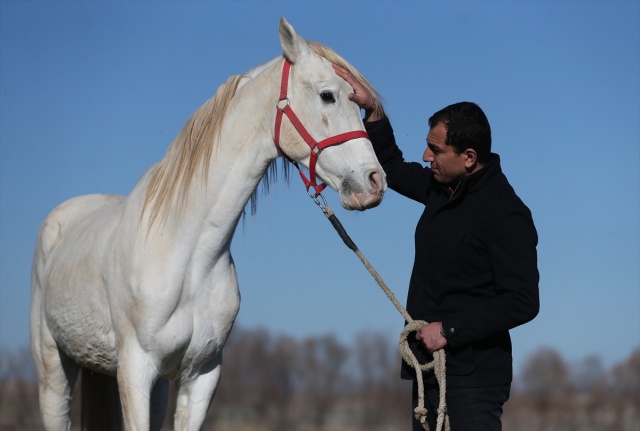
(199, 327)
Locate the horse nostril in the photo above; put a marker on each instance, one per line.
(376, 181)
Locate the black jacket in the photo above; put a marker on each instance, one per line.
(475, 265)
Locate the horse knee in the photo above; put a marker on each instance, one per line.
(194, 398)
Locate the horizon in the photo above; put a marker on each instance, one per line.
(93, 93)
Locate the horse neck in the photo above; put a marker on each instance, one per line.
(242, 153)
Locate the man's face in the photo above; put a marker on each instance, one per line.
(447, 166)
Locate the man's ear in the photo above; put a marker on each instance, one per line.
(470, 158)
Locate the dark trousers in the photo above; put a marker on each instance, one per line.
(469, 409)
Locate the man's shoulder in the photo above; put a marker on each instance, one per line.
(498, 197)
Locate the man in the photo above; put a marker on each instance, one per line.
(475, 272)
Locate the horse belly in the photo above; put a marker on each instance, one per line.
(81, 325)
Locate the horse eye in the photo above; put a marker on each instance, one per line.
(327, 97)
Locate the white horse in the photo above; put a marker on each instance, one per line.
(142, 289)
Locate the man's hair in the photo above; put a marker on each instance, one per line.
(467, 127)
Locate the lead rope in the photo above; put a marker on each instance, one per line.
(438, 363)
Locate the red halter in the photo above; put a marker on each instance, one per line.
(316, 147)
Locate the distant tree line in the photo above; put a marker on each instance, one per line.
(277, 382)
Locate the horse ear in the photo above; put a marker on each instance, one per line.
(294, 46)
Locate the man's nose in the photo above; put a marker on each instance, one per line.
(428, 155)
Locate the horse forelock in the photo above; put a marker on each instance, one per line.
(335, 58)
(189, 153)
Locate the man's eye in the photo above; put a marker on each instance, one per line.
(327, 97)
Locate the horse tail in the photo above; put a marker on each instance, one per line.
(100, 408)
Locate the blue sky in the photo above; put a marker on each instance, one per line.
(92, 94)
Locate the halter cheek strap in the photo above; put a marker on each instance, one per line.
(284, 108)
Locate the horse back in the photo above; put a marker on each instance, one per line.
(76, 213)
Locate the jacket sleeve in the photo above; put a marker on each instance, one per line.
(513, 257)
(410, 179)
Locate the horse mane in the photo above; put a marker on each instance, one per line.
(191, 150)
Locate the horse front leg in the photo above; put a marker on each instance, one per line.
(137, 375)
(195, 396)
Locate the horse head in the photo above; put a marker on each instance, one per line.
(324, 129)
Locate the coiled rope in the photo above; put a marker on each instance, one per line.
(438, 363)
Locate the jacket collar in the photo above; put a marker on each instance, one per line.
(477, 179)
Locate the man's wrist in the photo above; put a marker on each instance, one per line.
(371, 115)
(447, 332)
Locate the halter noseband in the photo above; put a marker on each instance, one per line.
(316, 147)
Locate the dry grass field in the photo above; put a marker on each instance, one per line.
(277, 383)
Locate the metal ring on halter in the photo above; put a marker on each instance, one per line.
(287, 103)
(322, 204)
